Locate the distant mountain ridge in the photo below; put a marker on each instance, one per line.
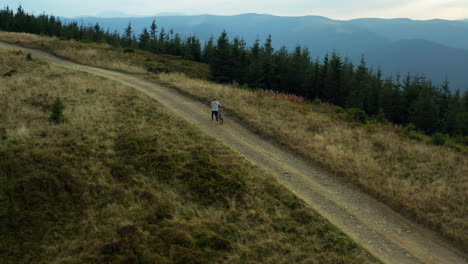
(114, 14)
(446, 32)
(118, 14)
(424, 57)
(350, 38)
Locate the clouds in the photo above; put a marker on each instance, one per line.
(425, 9)
(338, 9)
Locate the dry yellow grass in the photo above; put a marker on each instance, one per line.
(426, 181)
(100, 55)
(105, 56)
(122, 181)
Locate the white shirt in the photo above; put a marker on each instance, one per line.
(215, 106)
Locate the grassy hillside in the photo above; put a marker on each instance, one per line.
(427, 181)
(122, 181)
(102, 55)
(399, 166)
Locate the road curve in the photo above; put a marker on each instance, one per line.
(383, 232)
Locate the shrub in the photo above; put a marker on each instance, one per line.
(380, 118)
(409, 128)
(338, 110)
(357, 115)
(411, 132)
(29, 57)
(155, 67)
(245, 87)
(438, 139)
(57, 112)
(461, 140)
(317, 101)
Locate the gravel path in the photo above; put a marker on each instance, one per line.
(386, 234)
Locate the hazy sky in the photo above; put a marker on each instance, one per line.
(337, 9)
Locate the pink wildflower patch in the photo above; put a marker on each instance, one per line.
(290, 97)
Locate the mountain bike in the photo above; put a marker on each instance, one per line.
(220, 116)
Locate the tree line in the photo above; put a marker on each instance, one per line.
(403, 100)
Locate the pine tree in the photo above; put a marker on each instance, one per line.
(208, 51)
(444, 96)
(6, 19)
(281, 62)
(360, 87)
(221, 65)
(20, 20)
(144, 40)
(176, 45)
(410, 93)
(373, 99)
(254, 70)
(98, 34)
(452, 122)
(154, 42)
(322, 76)
(297, 68)
(424, 112)
(237, 67)
(267, 65)
(193, 47)
(154, 31)
(162, 41)
(333, 91)
(465, 114)
(127, 40)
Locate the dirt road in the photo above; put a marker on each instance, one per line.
(380, 230)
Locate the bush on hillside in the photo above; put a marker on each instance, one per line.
(411, 132)
(56, 116)
(461, 140)
(357, 115)
(409, 128)
(338, 110)
(438, 139)
(155, 67)
(317, 101)
(380, 118)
